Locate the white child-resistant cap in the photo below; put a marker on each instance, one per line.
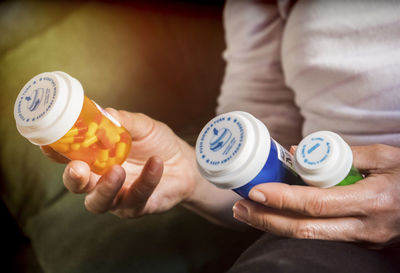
(323, 159)
(48, 106)
(232, 149)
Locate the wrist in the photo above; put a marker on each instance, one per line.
(199, 184)
(205, 199)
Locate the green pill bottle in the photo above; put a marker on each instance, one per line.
(323, 159)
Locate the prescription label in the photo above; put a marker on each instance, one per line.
(284, 156)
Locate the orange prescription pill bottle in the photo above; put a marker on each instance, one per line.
(52, 110)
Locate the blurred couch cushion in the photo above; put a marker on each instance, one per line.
(68, 239)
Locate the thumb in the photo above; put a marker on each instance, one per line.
(375, 157)
(138, 125)
(363, 157)
(366, 158)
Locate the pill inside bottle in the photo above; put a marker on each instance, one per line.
(52, 110)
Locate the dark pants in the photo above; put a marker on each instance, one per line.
(275, 254)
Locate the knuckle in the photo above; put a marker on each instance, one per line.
(143, 116)
(282, 200)
(383, 155)
(105, 191)
(140, 116)
(384, 201)
(260, 221)
(140, 193)
(305, 231)
(124, 116)
(380, 147)
(379, 236)
(314, 206)
(375, 233)
(72, 186)
(93, 208)
(264, 223)
(123, 113)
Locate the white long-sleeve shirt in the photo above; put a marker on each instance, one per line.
(315, 65)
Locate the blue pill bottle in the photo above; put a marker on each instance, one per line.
(235, 151)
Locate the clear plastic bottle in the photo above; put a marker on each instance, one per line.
(323, 159)
(51, 109)
(235, 151)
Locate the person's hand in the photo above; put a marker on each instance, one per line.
(368, 211)
(158, 174)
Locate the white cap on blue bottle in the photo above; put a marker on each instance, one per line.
(232, 149)
(48, 106)
(323, 159)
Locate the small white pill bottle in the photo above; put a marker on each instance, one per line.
(235, 151)
(323, 159)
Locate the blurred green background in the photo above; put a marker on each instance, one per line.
(162, 58)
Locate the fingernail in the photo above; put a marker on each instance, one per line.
(257, 196)
(240, 212)
(74, 175)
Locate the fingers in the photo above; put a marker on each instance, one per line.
(290, 225)
(365, 157)
(107, 193)
(53, 155)
(350, 200)
(78, 178)
(101, 198)
(140, 191)
(138, 124)
(376, 157)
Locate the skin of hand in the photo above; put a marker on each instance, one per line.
(147, 182)
(159, 173)
(366, 212)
